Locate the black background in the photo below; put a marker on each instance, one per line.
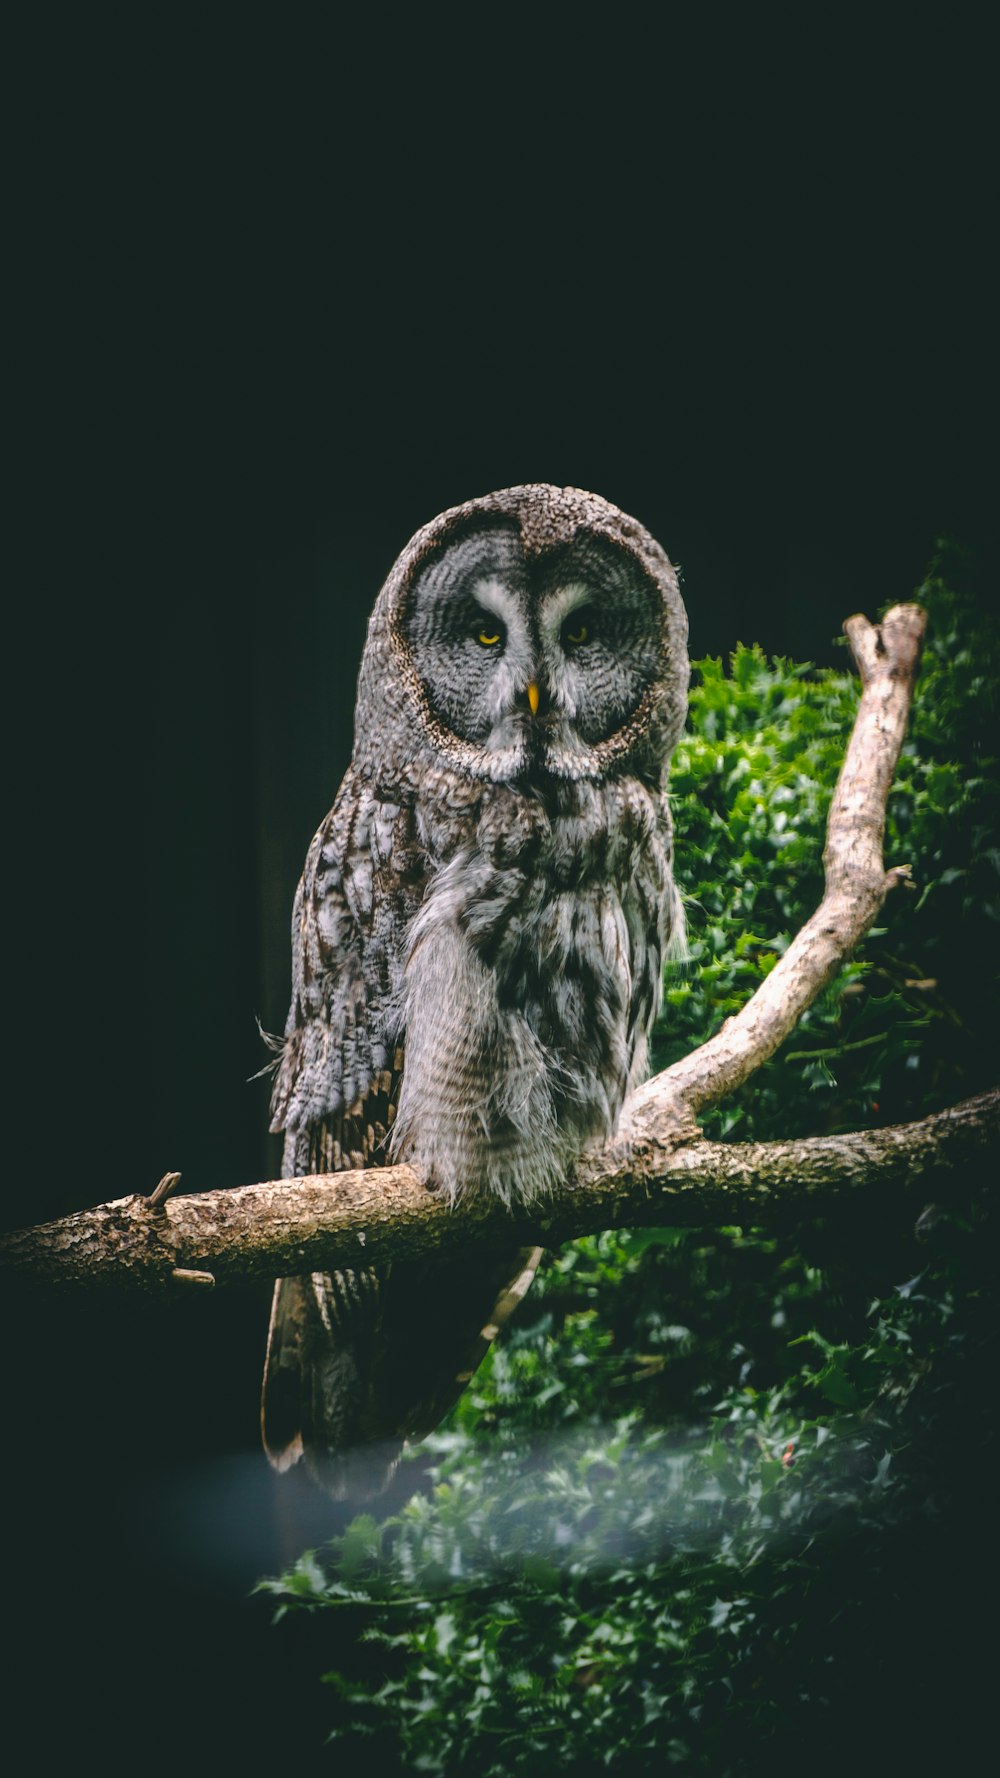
(280, 302)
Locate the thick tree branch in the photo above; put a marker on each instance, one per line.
(370, 1217)
(657, 1172)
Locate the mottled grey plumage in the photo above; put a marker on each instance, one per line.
(478, 935)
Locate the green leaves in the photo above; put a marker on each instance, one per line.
(629, 1512)
(683, 1513)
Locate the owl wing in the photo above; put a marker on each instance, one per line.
(359, 1360)
(347, 930)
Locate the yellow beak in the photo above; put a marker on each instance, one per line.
(533, 698)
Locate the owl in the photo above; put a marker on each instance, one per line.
(478, 937)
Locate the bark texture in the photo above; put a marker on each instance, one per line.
(339, 1220)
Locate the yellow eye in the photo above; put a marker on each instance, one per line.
(487, 640)
(575, 637)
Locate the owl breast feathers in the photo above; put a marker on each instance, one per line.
(478, 935)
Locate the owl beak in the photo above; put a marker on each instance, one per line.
(533, 697)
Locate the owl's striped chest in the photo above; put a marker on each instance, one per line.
(562, 899)
(531, 979)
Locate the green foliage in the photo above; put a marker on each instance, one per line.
(690, 1510)
(899, 1031)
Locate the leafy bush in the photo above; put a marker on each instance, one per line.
(710, 1501)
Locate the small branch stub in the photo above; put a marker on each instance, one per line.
(185, 1275)
(161, 1192)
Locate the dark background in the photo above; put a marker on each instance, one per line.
(279, 304)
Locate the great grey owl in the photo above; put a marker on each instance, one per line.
(477, 938)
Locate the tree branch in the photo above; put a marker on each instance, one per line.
(857, 883)
(375, 1215)
(656, 1171)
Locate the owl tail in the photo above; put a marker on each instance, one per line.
(359, 1362)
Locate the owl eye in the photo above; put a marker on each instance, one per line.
(490, 635)
(577, 629)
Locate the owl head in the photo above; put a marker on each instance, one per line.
(537, 633)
